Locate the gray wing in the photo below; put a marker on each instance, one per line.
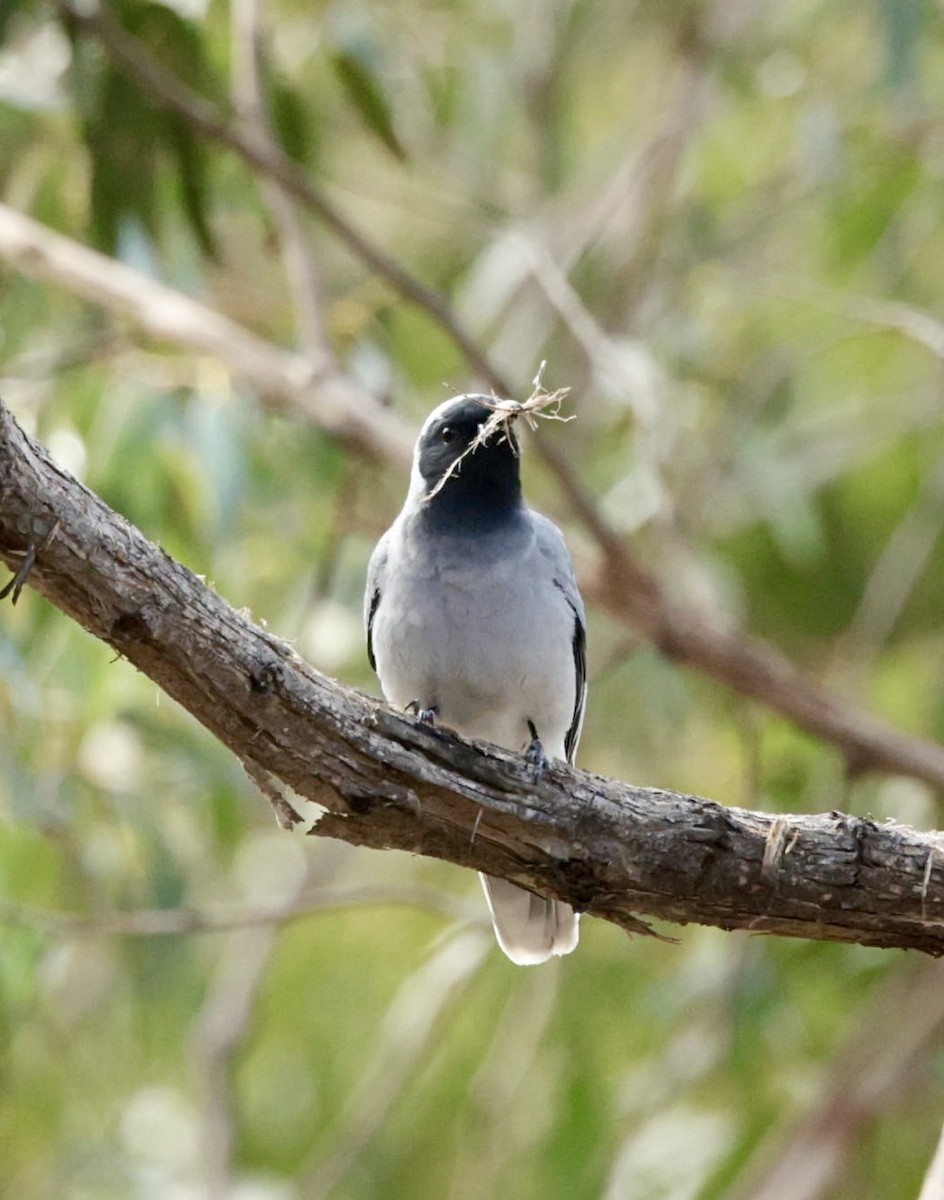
(552, 545)
(376, 569)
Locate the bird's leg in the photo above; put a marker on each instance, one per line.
(534, 755)
(427, 716)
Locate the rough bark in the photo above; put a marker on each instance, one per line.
(611, 577)
(611, 849)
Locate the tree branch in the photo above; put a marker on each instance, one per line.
(886, 1055)
(611, 576)
(184, 922)
(310, 384)
(618, 581)
(387, 781)
(298, 258)
(150, 75)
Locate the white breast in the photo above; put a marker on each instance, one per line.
(486, 643)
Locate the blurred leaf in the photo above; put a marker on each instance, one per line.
(296, 130)
(357, 69)
(192, 164)
(176, 44)
(121, 136)
(444, 88)
(131, 141)
(864, 212)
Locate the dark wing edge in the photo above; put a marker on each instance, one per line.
(572, 736)
(552, 545)
(371, 613)
(372, 594)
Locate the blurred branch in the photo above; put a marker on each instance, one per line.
(39, 364)
(387, 781)
(259, 152)
(500, 1124)
(223, 1025)
(410, 1025)
(311, 387)
(690, 635)
(895, 573)
(612, 577)
(886, 1056)
(176, 922)
(891, 316)
(297, 252)
(756, 669)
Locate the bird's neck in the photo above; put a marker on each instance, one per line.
(467, 506)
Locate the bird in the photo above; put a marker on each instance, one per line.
(474, 622)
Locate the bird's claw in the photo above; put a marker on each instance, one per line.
(426, 716)
(535, 757)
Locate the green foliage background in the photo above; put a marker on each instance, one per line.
(738, 194)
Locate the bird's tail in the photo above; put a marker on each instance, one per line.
(529, 928)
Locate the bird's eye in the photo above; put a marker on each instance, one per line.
(447, 434)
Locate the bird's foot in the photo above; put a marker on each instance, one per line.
(426, 716)
(535, 757)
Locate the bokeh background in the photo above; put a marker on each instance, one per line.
(721, 225)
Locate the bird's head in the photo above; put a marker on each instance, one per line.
(462, 465)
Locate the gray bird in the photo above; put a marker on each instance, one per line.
(474, 620)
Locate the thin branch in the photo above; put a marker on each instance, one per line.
(500, 1120)
(134, 58)
(388, 781)
(222, 1027)
(891, 316)
(755, 668)
(603, 355)
(179, 922)
(886, 1055)
(622, 215)
(409, 1028)
(297, 251)
(314, 389)
(895, 574)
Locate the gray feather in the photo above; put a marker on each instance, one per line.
(477, 616)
